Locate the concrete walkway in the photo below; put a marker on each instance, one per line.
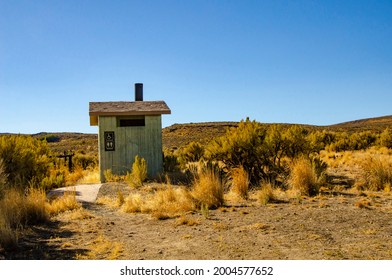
(84, 193)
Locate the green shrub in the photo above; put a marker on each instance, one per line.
(259, 150)
(193, 152)
(85, 161)
(386, 138)
(170, 162)
(242, 146)
(319, 140)
(53, 181)
(24, 159)
(296, 142)
(50, 138)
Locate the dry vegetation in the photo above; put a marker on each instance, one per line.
(257, 192)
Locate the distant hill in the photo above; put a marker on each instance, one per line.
(178, 135)
(374, 124)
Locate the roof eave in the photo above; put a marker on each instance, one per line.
(131, 113)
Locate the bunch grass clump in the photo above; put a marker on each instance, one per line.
(265, 194)
(208, 189)
(18, 210)
(63, 203)
(239, 180)
(376, 173)
(138, 174)
(303, 178)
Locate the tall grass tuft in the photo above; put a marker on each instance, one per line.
(133, 203)
(208, 189)
(18, 210)
(265, 194)
(138, 174)
(3, 177)
(303, 178)
(239, 180)
(377, 173)
(63, 203)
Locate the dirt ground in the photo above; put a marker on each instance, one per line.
(335, 225)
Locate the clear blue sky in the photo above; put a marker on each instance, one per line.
(310, 62)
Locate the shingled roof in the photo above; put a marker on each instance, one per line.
(123, 108)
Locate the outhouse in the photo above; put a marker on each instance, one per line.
(127, 129)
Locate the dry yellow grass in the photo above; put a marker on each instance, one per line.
(239, 180)
(265, 194)
(185, 220)
(78, 214)
(90, 177)
(18, 210)
(169, 202)
(303, 178)
(102, 248)
(133, 204)
(108, 201)
(63, 203)
(162, 204)
(376, 173)
(139, 173)
(208, 189)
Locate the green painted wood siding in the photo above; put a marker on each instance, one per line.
(145, 141)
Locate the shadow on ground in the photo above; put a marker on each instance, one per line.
(44, 242)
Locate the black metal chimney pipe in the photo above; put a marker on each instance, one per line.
(138, 92)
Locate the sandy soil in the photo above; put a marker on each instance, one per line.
(333, 225)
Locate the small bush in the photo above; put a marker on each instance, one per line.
(170, 163)
(302, 177)
(208, 189)
(386, 138)
(192, 152)
(85, 161)
(239, 180)
(24, 159)
(55, 180)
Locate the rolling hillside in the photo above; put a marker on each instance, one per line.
(375, 124)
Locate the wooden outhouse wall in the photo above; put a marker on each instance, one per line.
(145, 141)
